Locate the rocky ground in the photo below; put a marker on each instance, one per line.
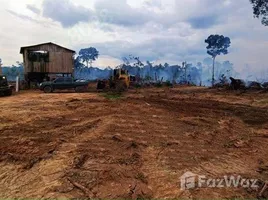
(93, 145)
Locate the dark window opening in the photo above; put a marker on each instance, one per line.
(123, 72)
(68, 80)
(38, 56)
(59, 80)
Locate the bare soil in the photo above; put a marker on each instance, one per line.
(69, 145)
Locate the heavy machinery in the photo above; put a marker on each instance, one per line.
(5, 89)
(119, 81)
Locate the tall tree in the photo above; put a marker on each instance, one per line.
(260, 9)
(89, 55)
(217, 45)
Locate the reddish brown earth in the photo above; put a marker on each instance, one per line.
(87, 146)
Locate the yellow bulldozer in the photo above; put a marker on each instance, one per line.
(119, 81)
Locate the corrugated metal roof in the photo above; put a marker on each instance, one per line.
(48, 43)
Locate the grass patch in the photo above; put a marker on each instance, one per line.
(112, 96)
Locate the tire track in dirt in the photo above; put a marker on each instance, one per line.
(179, 154)
(112, 165)
(39, 181)
(150, 134)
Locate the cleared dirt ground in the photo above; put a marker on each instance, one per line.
(88, 146)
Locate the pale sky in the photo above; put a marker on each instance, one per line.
(156, 30)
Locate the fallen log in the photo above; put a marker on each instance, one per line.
(86, 191)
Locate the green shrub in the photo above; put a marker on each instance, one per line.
(112, 95)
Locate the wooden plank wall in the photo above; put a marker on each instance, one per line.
(60, 60)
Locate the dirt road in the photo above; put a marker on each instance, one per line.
(86, 145)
